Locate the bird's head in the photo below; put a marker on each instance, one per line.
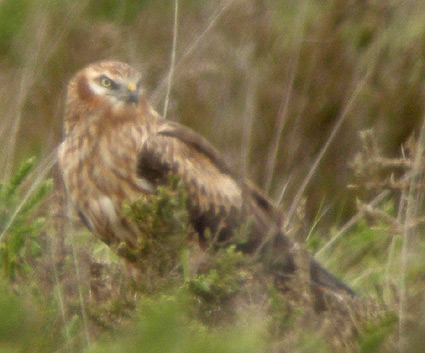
(115, 82)
(103, 86)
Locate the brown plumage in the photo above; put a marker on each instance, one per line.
(117, 147)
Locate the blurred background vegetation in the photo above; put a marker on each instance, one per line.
(248, 73)
(272, 83)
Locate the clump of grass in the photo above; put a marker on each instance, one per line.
(224, 277)
(378, 335)
(166, 324)
(162, 213)
(19, 227)
(223, 281)
(163, 220)
(26, 325)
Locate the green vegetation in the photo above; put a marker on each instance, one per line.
(20, 240)
(282, 82)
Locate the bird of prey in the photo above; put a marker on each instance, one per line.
(117, 148)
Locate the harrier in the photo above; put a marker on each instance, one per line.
(117, 148)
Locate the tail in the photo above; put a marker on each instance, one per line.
(278, 256)
(275, 249)
(324, 279)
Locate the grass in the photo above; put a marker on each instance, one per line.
(309, 98)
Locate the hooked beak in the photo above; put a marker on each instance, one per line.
(133, 93)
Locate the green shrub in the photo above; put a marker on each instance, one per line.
(19, 227)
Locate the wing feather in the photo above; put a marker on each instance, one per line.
(218, 199)
(215, 196)
(194, 140)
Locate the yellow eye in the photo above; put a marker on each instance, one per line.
(106, 82)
